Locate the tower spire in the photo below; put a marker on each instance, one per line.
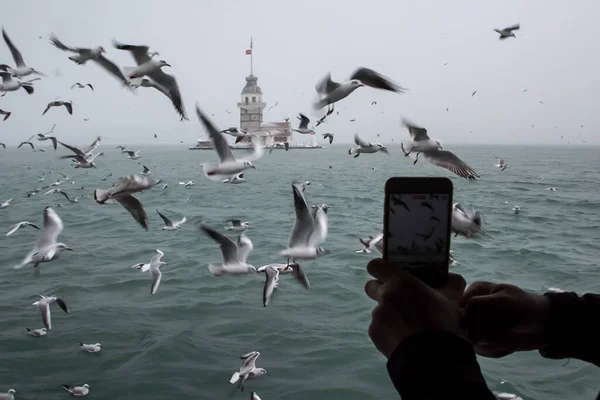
(251, 58)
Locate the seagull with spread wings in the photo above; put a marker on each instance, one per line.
(28, 141)
(10, 85)
(433, 152)
(5, 113)
(21, 69)
(58, 103)
(366, 147)
(80, 86)
(507, 32)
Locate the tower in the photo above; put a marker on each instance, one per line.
(251, 105)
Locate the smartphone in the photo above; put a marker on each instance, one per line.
(416, 226)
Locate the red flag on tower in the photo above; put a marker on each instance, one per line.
(248, 52)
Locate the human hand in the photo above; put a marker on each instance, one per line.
(500, 319)
(407, 306)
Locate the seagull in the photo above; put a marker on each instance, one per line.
(228, 164)
(366, 147)
(84, 157)
(501, 163)
(146, 171)
(239, 178)
(43, 306)
(237, 225)
(91, 348)
(516, 209)
(21, 69)
(5, 204)
(369, 242)
(308, 232)
(18, 225)
(254, 396)
(148, 66)
(123, 191)
(120, 147)
(234, 255)
(303, 125)
(46, 248)
(28, 141)
(473, 94)
(466, 224)
(552, 189)
(10, 395)
(84, 55)
(334, 91)
(271, 283)
(433, 152)
(80, 86)
(3, 145)
(248, 370)
(187, 184)
(11, 85)
(86, 162)
(5, 113)
(507, 32)
(36, 333)
(328, 135)
(68, 105)
(42, 137)
(155, 271)
(77, 390)
(75, 200)
(170, 225)
(132, 155)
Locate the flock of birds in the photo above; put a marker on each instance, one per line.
(310, 226)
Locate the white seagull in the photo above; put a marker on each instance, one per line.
(77, 390)
(235, 179)
(466, 224)
(46, 248)
(58, 103)
(507, 32)
(170, 225)
(366, 147)
(333, 92)
(328, 135)
(8, 395)
(21, 69)
(123, 191)
(80, 86)
(91, 348)
(187, 184)
(132, 155)
(308, 232)
(43, 306)
(5, 203)
(516, 209)
(228, 164)
(303, 125)
(248, 370)
(146, 171)
(10, 85)
(236, 225)
(155, 264)
(433, 152)
(370, 242)
(84, 55)
(151, 67)
(18, 225)
(254, 396)
(85, 152)
(234, 255)
(501, 163)
(271, 283)
(36, 333)
(45, 136)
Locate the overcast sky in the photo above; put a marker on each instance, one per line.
(555, 56)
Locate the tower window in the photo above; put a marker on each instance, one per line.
(246, 99)
(254, 99)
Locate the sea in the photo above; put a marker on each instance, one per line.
(185, 341)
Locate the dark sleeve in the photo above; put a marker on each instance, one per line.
(573, 328)
(437, 365)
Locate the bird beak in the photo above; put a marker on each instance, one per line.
(68, 248)
(252, 166)
(167, 65)
(94, 165)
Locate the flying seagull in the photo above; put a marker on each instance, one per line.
(334, 91)
(77, 390)
(84, 55)
(170, 225)
(28, 141)
(132, 155)
(303, 125)
(18, 225)
(68, 105)
(21, 69)
(148, 66)
(328, 135)
(502, 164)
(5, 113)
(85, 152)
(10, 85)
(271, 283)
(43, 306)
(80, 86)
(155, 272)
(46, 136)
(228, 165)
(507, 32)
(366, 147)
(473, 94)
(234, 255)
(123, 191)
(466, 223)
(248, 370)
(146, 171)
(433, 152)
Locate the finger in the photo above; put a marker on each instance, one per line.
(381, 270)
(455, 287)
(374, 289)
(478, 288)
(492, 350)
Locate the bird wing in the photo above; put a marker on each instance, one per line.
(303, 121)
(166, 220)
(53, 226)
(219, 142)
(257, 152)
(132, 184)
(512, 28)
(112, 68)
(244, 247)
(304, 223)
(139, 53)
(272, 275)
(447, 159)
(90, 85)
(6, 77)
(375, 80)
(235, 222)
(69, 107)
(53, 139)
(249, 363)
(228, 248)
(47, 108)
(156, 275)
(416, 132)
(326, 84)
(319, 232)
(63, 306)
(92, 146)
(73, 149)
(64, 194)
(13, 50)
(170, 89)
(54, 40)
(135, 208)
(360, 142)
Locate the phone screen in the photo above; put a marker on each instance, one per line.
(418, 228)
